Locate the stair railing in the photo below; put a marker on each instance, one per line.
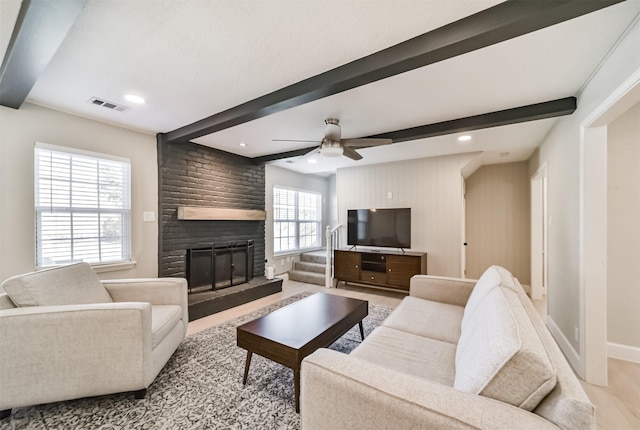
(332, 236)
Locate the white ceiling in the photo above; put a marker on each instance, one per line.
(191, 59)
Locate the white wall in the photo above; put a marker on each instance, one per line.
(623, 232)
(19, 130)
(561, 149)
(431, 187)
(277, 176)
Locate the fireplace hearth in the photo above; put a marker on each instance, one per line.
(219, 265)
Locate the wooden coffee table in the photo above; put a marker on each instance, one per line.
(289, 334)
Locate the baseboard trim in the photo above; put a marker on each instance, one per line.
(623, 352)
(569, 352)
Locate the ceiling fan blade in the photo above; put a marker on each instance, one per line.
(365, 143)
(351, 153)
(295, 140)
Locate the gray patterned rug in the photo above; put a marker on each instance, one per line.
(199, 388)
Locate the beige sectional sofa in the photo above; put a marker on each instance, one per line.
(66, 334)
(455, 354)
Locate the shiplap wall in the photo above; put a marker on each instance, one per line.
(431, 187)
(498, 225)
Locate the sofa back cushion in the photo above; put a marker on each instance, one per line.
(493, 277)
(74, 284)
(567, 405)
(500, 355)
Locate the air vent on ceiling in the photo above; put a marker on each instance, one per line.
(106, 104)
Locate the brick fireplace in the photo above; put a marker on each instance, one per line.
(195, 176)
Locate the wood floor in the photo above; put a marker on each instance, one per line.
(617, 406)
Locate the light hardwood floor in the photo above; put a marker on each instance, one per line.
(617, 406)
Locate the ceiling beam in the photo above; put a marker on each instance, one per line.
(550, 109)
(40, 28)
(497, 24)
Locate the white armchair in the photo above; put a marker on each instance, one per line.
(64, 334)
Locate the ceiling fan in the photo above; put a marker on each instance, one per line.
(333, 146)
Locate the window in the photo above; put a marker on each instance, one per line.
(297, 220)
(82, 205)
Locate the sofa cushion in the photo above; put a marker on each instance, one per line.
(440, 321)
(493, 277)
(408, 353)
(567, 405)
(163, 319)
(75, 284)
(500, 354)
(5, 301)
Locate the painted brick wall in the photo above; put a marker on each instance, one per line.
(195, 175)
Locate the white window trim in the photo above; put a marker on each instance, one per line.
(110, 266)
(77, 151)
(298, 250)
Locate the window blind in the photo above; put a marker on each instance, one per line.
(82, 207)
(297, 220)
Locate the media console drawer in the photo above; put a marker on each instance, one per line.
(385, 269)
(374, 277)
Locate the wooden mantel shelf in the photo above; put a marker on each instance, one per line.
(220, 214)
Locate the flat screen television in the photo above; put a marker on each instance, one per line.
(388, 228)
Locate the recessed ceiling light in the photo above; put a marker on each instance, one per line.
(312, 161)
(464, 138)
(504, 154)
(243, 144)
(134, 99)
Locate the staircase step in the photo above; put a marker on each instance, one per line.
(307, 277)
(319, 257)
(309, 267)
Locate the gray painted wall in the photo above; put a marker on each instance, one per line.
(623, 230)
(561, 150)
(19, 130)
(498, 223)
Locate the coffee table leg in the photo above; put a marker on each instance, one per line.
(361, 330)
(246, 367)
(296, 386)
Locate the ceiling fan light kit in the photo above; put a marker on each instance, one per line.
(331, 149)
(332, 145)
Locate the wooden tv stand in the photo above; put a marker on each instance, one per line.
(383, 269)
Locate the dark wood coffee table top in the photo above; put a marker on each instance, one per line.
(289, 334)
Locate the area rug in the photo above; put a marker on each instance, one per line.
(199, 388)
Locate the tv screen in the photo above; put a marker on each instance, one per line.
(389, 228)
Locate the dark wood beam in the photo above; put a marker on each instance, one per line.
(502, 22)
(550, 109)
(40, 28)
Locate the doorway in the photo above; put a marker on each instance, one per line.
(593, 229)
(539, 219)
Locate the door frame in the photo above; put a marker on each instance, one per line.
(539, 234)
(593, 228)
